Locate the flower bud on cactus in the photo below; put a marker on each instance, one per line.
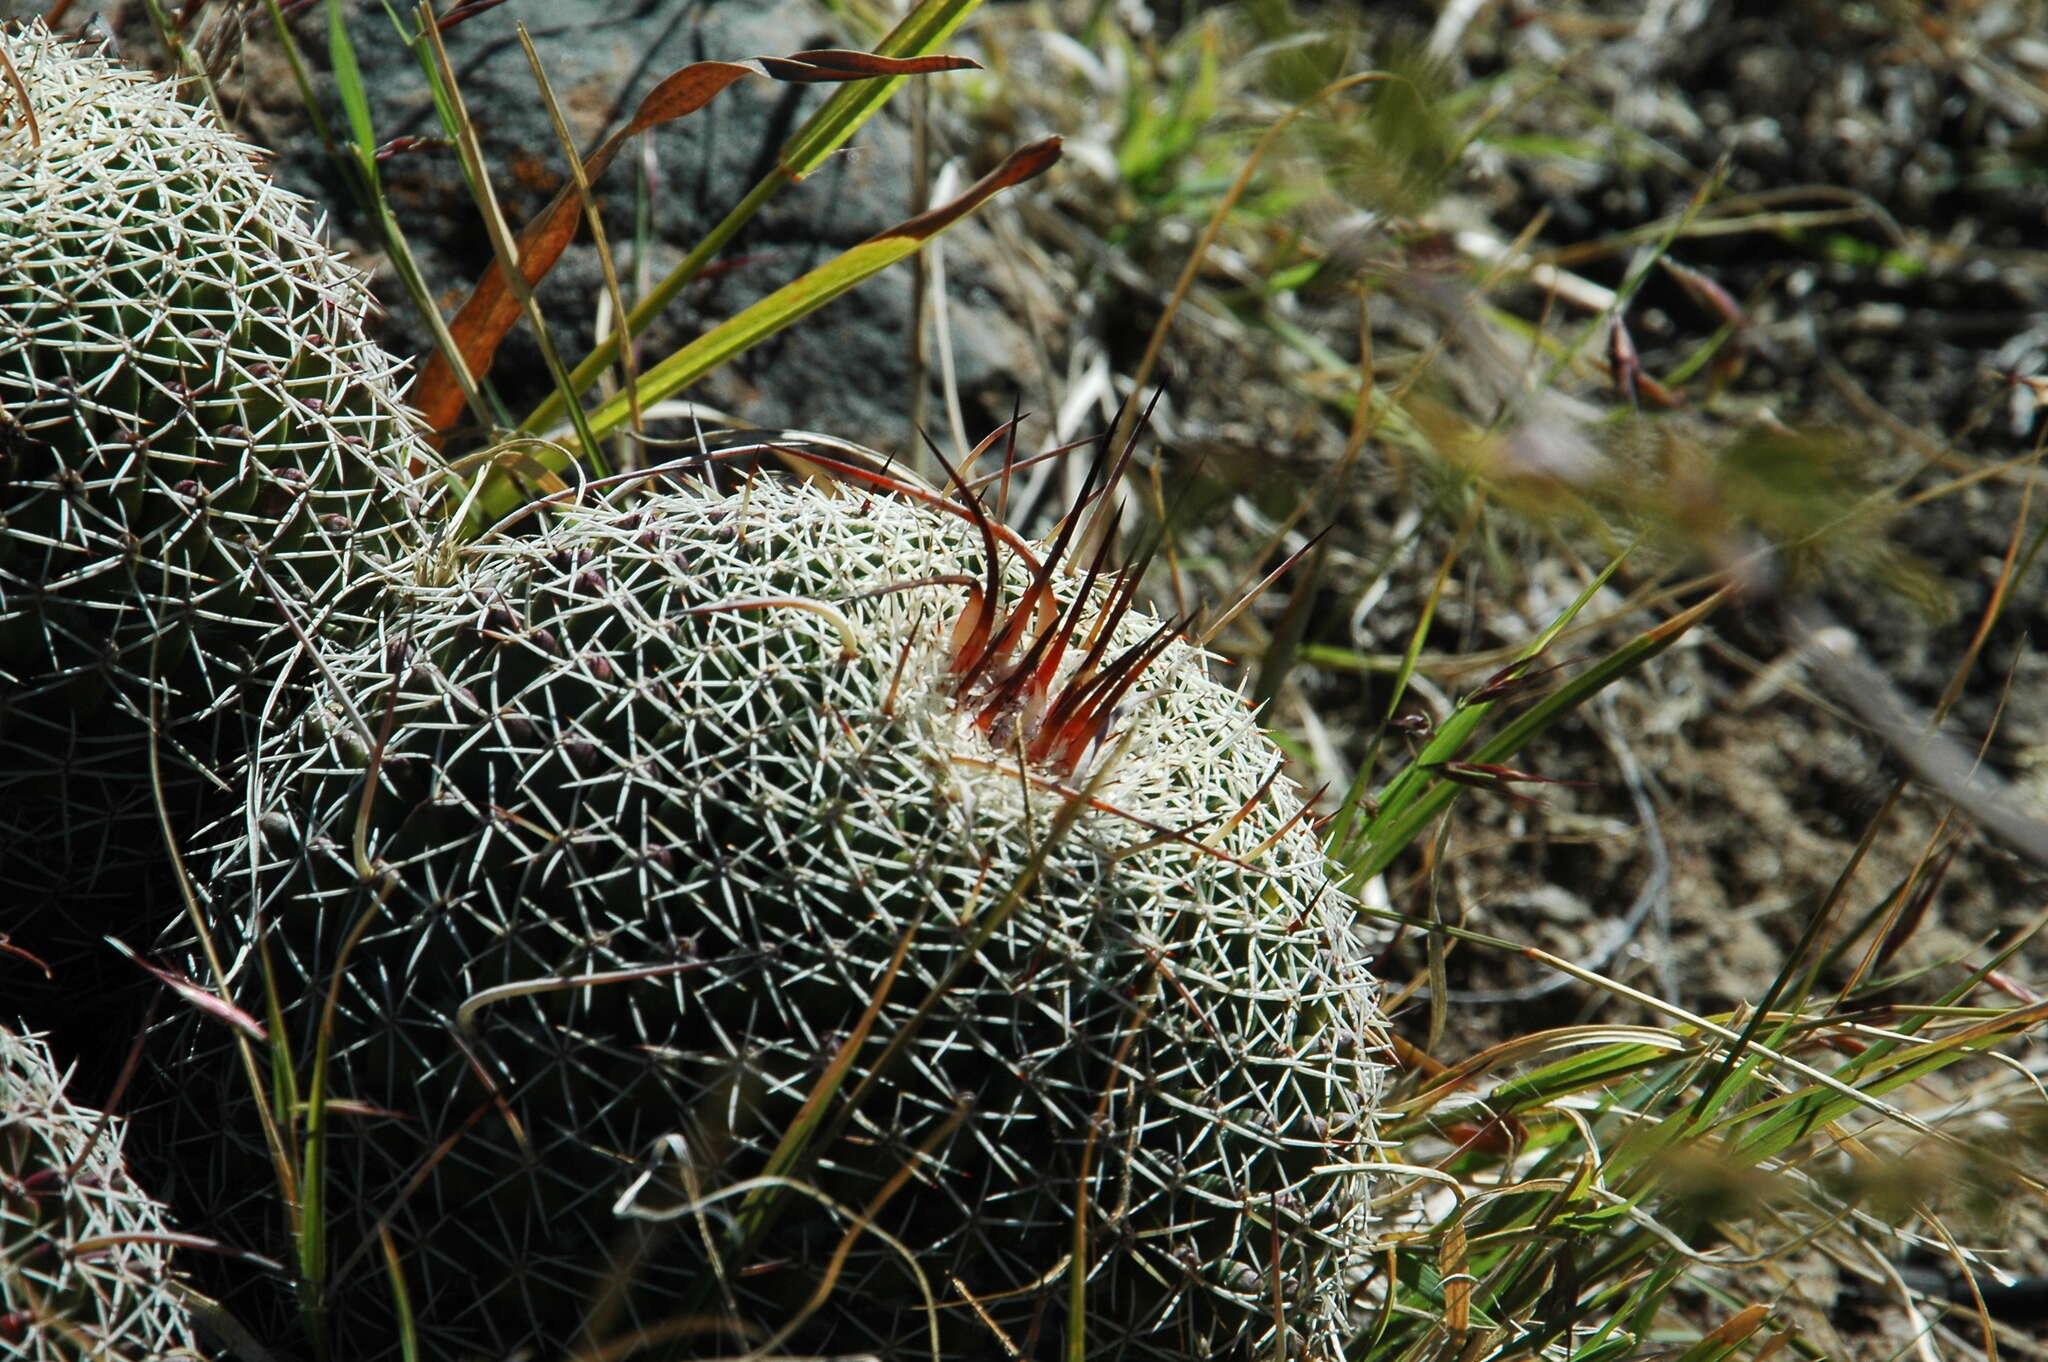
(198, 447)
(835, 840)
(84, 1259)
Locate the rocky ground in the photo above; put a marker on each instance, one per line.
(1876, 185)
(847, 370)
(1868, 186)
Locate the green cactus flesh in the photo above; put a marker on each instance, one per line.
(84, 1254)
(685, 800)
(198, 450)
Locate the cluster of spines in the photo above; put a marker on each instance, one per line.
(85, 1255)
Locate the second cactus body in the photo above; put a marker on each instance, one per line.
(85, 1254)
(201, 457)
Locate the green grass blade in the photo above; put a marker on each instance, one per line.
(348, 82)
(1416, 794)
(919, 34)
(788, 304)
(401, 1296)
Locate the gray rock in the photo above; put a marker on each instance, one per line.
(845, 369)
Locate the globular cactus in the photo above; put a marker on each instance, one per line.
(200, 453)
(811, 835)
(85, 1255)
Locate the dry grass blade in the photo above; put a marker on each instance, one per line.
(25, 110)
(204, 999)
(629, 365)
(1934, 758)
(1156, 345)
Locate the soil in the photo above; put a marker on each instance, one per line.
(1887, 350)
(845, 369)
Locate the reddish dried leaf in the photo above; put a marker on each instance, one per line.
(1737, 1327)
(1658, 395)
(1707, 293)
(204, 999)
(839, 63)
(2011, 987)
(1486, 775)
(1915, 911)
(1025, 163)
(1495, 1137)
(462, 14)
(1621, 355)
(8, 947)
(403, 146)
(343, 1106)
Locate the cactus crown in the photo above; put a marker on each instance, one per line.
(1037, 685)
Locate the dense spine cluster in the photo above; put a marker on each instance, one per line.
(85, 1255)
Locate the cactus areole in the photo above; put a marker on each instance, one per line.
(810, 909)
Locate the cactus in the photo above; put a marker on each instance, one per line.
(198, 449)
(84, 1254)
(687, 801)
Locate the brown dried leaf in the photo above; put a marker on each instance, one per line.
(1020, 165)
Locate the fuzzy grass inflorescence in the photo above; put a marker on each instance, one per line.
(673, 937)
